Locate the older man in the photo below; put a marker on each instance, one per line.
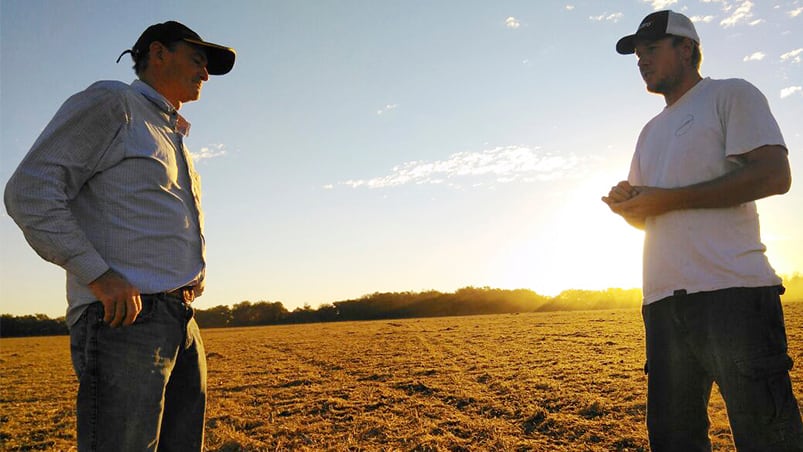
(109, 193)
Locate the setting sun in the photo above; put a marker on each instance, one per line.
(580, 245)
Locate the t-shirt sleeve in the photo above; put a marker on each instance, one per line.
(634, 176)
(747, 119)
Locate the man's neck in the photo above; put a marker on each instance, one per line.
(688, 82)
(150, 82)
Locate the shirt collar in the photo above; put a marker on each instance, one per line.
(178, 122)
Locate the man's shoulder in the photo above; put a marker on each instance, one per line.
(108, 98)
(731, 92)
(730, 85)
(112, 94)
(111, 87)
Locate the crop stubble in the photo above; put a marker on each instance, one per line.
(540, 381)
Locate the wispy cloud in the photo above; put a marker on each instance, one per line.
(512, 22)
(614, 17)
(789, 91)
(387, 108)
(793, 56)
(479, 168)
(757, 56)
(569, 7)
(210, 152)
(741, 14)
(660, 4)
(795, 12)
(704, 19)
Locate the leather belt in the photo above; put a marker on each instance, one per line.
(185, 294)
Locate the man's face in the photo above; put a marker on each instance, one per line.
(184, 73)
(660, 65)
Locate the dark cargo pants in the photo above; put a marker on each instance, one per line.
(735, 338)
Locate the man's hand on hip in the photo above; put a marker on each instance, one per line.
(121, 301)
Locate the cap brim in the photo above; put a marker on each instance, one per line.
(626, 45)
(220, 59)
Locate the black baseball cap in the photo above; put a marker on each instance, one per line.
(656, 26)
(220, 58)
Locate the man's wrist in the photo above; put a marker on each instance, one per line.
(106, 273)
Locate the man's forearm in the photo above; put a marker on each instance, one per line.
(637, 223)
(765, 173)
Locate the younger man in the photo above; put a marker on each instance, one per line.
(712, 310)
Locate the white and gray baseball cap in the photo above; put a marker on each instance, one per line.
(656, 26)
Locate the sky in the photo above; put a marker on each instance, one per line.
(381, 146)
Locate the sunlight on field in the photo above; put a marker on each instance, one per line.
(541, 381)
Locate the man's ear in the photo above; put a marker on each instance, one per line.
(688, 49)
(156, 51)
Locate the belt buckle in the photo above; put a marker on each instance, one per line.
(188, 294)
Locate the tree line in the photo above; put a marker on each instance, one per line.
(393, 305)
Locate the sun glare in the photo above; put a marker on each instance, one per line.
(581, 246)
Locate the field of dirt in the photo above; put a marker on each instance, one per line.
(543, 381)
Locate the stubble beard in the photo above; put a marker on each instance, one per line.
(668, 83)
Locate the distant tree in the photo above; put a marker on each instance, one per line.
(794, 287)
(574, 300)
(327, 313)
(270, 313)
(487, 300)
(465, 301)
(303, 315)
(261, 313)
(217, 317)
(32, 325)
(394, 305)
(242, 314)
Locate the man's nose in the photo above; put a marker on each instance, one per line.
(642, 61)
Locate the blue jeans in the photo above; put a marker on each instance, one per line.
(732, 337)
(141, 387)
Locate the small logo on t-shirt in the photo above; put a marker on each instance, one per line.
(686, 126)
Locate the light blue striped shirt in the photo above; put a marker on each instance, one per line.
(110, 184)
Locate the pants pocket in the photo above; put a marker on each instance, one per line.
(148, 308)
(765, 387)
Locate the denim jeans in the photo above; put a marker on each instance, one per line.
(736, 339)
(141, 387)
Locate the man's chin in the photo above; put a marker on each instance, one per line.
(192, 98)
(655, 89)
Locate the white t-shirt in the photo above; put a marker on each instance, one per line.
(697, 139)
